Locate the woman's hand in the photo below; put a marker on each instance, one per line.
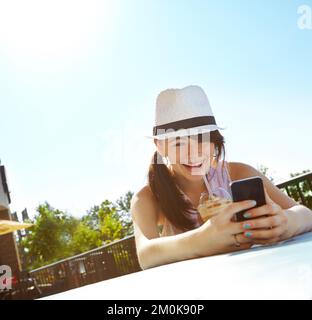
(266, 225)
(219, 234)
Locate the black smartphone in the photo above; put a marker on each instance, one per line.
(247, 189)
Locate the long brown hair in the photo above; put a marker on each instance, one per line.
(170, 199)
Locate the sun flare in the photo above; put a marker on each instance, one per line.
(39, 29)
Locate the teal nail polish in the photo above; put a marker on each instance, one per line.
(247, 215)
(248, 234)
(247, 226)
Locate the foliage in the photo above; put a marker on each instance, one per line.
(48, 239)
(123, 208)
(57, 235)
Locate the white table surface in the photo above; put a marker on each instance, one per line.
(280, 271)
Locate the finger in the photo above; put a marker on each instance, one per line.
(267, 209)
(243, 240)
(235, 207)
(261, 223)
(265, 234)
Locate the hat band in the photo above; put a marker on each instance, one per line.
(185, 124)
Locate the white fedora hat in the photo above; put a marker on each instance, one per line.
(183, 112)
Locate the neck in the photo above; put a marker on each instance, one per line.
(191, 187)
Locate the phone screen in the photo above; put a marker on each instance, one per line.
(247, 189)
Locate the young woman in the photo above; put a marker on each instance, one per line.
(167, 225)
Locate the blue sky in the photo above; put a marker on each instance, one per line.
(79, 79)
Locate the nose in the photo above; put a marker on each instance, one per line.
(195, 151)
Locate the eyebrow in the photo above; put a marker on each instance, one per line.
(178, 139)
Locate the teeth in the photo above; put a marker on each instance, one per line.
(194, 165)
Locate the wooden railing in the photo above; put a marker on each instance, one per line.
(106, 262)
(299, 188)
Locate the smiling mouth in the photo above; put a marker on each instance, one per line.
(193, 165)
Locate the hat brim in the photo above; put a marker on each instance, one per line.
(186, 132)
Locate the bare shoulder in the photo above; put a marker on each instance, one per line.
(144, 213)
(144, 201)
(144, 195)
(240, 170)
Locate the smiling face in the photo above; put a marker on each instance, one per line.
(189, 156)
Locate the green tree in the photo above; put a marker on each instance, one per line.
(123, 209)
(91, 218)
(48, 239)
(110, 224)
(113, 220)
(84, 239)
(57, 235)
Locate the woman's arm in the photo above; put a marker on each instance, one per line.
(215, 236)
(299, 216)
(299, 221)
(153, 250)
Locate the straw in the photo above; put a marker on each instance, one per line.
(207, 185)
